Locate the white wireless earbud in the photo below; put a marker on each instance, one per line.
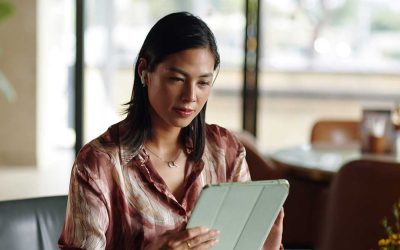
(143, 80)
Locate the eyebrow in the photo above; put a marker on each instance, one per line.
(180, 71)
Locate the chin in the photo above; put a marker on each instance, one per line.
(182, 123)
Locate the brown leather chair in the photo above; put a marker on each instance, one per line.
(362, 193)
(337, 132)
(304, 212)
(260, 166)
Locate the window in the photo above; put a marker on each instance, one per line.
(324, 59)
(56, 59)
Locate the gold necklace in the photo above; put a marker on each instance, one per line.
(170, 164)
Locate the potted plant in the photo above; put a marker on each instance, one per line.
(6, 89)
(392, 241)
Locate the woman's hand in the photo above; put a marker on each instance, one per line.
(194, 238)
(274, 239)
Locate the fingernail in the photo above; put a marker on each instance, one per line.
(215, 232)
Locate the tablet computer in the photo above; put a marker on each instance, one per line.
(243, 212)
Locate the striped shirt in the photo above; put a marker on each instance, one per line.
(117, 200)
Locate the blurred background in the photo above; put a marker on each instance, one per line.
(317, 59)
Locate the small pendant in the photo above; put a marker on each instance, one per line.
(172, 164)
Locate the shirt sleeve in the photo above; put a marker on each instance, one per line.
(86, 219)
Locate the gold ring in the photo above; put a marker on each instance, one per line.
(188, 244)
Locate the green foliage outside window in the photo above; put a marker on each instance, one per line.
(6, 10)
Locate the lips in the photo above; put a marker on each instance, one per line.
(184, 112)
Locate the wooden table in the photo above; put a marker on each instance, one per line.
(320, 162)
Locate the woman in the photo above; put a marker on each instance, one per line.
(135, 186)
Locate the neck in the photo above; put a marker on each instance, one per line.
(164, 139)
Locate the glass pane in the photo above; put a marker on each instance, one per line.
(56, 53)
(325, 59)
(115, 31)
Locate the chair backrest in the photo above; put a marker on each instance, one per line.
(260, 166)
(338, 132)
(362, 194)
(32, 223)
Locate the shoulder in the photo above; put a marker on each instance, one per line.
(101, 152)
(221, 136)
(225, 154)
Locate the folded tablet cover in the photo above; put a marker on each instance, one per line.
(244, 212)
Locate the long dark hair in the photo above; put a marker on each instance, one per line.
(171, 34)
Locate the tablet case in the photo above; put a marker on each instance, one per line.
(243, 212)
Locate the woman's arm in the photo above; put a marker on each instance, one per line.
(86, 219)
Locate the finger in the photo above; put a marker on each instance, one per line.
(205, 245)
(279, 218)
(274, 239)
(194, 232)
(282, 212)
(182, 237)
(204, 238)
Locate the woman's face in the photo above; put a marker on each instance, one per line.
(179, 87)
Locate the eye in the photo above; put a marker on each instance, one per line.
(176, 79)
(204, 83)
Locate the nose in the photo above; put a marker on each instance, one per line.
(189, 92)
